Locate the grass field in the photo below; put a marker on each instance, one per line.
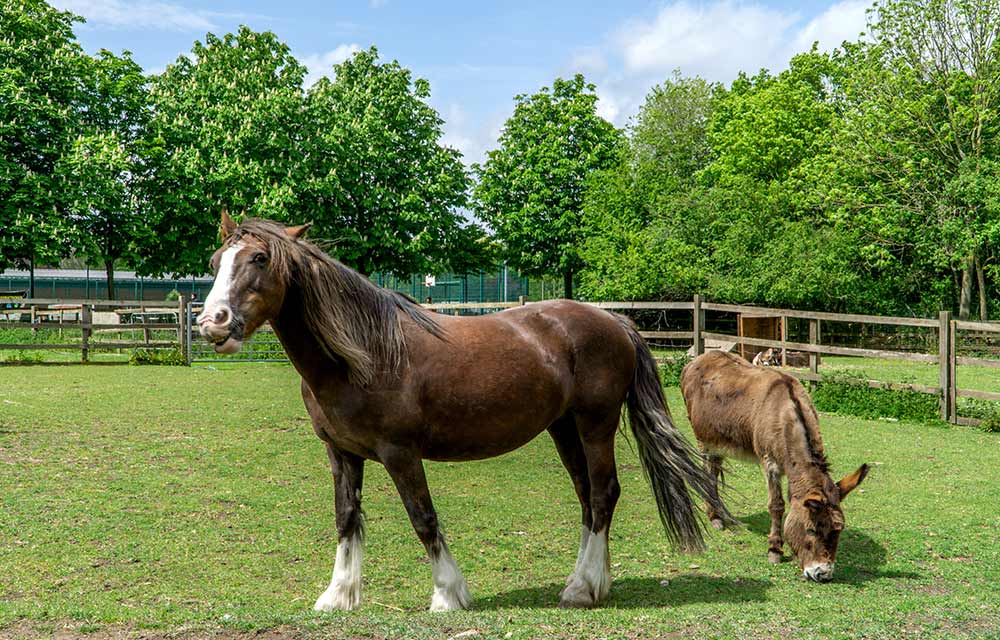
(176, 502)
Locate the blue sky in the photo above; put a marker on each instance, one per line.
(478, 55)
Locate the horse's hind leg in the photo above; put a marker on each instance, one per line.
(591, 581)
(713, 464)
(344, 591)
(570, 448)
(407, 472)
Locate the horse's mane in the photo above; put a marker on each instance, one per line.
(353, 320)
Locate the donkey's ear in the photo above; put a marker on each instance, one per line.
(226, 226)
(847, 484)
(297, 232)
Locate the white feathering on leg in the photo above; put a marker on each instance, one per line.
(344, 591)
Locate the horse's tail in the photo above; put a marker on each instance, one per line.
(670, 463)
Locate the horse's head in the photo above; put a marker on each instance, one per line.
(249, 287)
(814, 523)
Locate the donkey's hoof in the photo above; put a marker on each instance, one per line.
(774, 557)
(343, 597)
(718, 523)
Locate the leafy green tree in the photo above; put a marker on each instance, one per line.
(103, 165)
(41, 67)
(382, 187)
(919, 135)
(531, 189)
(642, 241)
(226, 131)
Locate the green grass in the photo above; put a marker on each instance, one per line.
(193, 499)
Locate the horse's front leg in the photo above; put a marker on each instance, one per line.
(344, 591)
(407, 471)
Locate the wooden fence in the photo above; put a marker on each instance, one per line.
(32, 313)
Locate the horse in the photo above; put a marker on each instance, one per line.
(765, 415)
(385, 380)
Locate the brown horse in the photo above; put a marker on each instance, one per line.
(387, 381)
(765, 415)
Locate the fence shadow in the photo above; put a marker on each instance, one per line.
(860, 558)
(632, 593)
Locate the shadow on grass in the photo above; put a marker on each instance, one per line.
(859, 557)
(631, 593)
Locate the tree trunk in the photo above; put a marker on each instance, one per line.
(568, 285)
(109, 268)
(981, 282)
(965, 297)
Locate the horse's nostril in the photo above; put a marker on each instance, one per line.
(222, 316)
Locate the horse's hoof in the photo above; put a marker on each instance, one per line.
(342, 597)
(774, 557)
(453, 599)
(577, 594)
(718, 524)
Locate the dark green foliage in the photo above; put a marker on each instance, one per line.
(170, 357)
(843, 395)
(670, 370)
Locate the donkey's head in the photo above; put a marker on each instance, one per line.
(251, 278)
(814, 523)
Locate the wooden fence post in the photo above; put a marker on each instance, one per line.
(85, 321)
(952, 374)
(814, 338)
(181, 317)
(944, 363)
(697, 326)
(520, 300)
(784, 338)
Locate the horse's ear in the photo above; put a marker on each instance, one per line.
(846, 485)
(226, 226)
(297, 232)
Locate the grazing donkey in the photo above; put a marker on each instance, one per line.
(389, 382)
(765, 415)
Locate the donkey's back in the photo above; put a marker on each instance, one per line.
(738, 409)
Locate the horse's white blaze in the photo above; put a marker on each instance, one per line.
(450, 589)
(344, 591)
(218, 297)
(591, 580)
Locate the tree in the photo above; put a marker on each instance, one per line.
(382, 187)
(921, 99)
(642, 239)
(41, 67)
(226, 131)
(531, 189)
(103, 165)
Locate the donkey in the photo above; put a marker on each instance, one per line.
(765, 415)
(387, 381)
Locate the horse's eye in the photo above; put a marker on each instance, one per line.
(810, 532)
(259, 259)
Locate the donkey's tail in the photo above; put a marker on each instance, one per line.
(670, 463)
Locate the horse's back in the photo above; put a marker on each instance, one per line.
(734, 407)
(511, 374)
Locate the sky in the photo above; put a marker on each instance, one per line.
(478, 55)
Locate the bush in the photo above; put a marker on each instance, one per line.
(670, 370)
(839, 394)
(169, 357)
(988, 412)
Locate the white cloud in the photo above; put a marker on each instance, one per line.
(473, 139)
(714, 40)
(843, 21)
(139, 14)
(321, 64)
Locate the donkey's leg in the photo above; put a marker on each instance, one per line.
(713, 464)
(776, 507)
(591, 582)
(407, 472)
(570, 449)
(344, 591)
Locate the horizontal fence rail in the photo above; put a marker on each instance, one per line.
(170, 325)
